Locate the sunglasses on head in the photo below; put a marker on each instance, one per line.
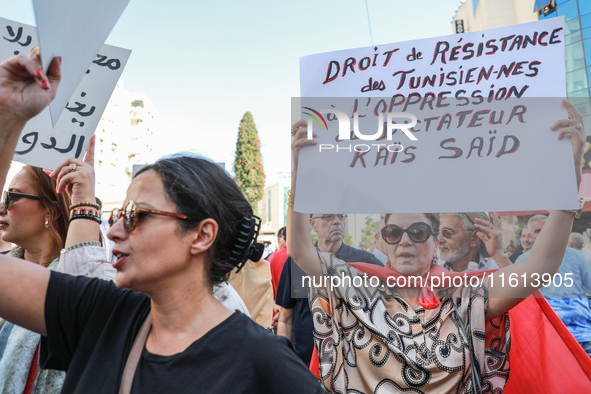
(417, 232)
(8, 198)
(131, 215)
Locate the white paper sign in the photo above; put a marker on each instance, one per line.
(41, 144)
(484, 103)
(75, 30)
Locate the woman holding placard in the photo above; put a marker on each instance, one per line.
(405, 337)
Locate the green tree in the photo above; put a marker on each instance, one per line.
(367, 233)
(248, 162)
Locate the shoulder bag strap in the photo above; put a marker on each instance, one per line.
(134, 356)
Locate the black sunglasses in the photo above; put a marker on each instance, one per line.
(132, 214)
(8, 198)
(417, 232)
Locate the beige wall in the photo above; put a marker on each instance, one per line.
(271, 224)
(495, 13)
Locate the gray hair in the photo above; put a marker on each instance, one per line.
(577, 240)
(467, 224)
(535, 218)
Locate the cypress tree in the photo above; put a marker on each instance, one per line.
(248, 161)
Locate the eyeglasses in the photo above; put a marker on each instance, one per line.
(132, 214)
(417, 232)
(449, 233)
(332, 217)
(8, 198)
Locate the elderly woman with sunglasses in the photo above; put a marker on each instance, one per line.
(405, 338)
(35, 214)
(184, 227)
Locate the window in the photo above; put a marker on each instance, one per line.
(569, 9)
(584, 7)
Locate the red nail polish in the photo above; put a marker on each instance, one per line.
(39, 74)
(60, 59)
(45, 84)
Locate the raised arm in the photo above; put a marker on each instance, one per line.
(76, 177)
(24, 92)
(299, 240)
(549, 248)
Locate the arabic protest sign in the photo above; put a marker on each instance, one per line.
(438, 125)
(75, 30)
(41, 144)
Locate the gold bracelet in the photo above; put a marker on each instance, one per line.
(289, 199)
(85, 204)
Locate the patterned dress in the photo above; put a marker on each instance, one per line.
(369, 340)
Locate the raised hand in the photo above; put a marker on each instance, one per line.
(76, 177)
(573, 127)
(24, 89)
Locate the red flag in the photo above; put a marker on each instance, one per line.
(544, 356)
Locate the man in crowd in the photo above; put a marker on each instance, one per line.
(295, 319)
(461, 248)
(524, 244)
(276, 261)
(577, 242)
(277, 258)
(380, 250)
(267, 252)
(566, 292)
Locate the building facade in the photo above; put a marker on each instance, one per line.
(475, 15)
(272, 208)
(124, 138)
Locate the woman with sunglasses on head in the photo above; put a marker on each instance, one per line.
(185, 225)
(402, 337)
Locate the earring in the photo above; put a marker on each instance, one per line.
(434, 261)
(46, 223)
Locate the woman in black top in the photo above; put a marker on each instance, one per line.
(185, 225)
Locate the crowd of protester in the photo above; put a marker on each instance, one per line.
(207, 307)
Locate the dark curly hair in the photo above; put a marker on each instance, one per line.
(201, 189)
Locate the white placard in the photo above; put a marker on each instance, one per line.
(484, 102)
(45, 146)
(75, 30)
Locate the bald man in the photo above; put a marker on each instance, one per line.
(577, 242)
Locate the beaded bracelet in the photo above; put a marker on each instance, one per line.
(85, 204)
(85, 217)
(85, 211)
(577, 212)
